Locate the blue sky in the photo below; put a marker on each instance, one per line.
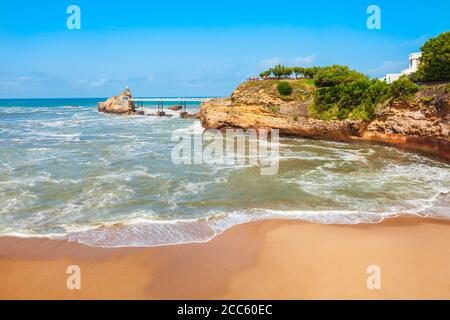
(197, 48)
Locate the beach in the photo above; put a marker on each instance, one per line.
(228, 152)
(272, 259)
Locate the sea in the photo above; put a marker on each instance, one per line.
(68, 172)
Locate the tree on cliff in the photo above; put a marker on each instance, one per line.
(310, 72)
(435, 61)
(280, 71)
(403, 88)
(266, 73)
(336, 74)
(298, 72)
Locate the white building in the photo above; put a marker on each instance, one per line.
(414, 61)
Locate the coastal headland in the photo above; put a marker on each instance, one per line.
(421, 123)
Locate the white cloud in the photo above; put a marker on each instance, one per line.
(307, 60)
(298, 61)
(97, 83)
(91, 83)
(388, 67)
(267, 63)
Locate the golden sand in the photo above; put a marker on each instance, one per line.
(262, 260)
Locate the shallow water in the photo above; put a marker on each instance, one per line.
(68, 172)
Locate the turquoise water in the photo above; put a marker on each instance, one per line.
(68, 172)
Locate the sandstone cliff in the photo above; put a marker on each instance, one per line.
(421, 124)
(119, 104)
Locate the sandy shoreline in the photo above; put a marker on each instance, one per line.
(260, 260)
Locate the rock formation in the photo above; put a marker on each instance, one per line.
(422, 124)
(119, 104)
(186, 115)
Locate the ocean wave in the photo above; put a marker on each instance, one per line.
(147, 229)
(109, 181)
(149, 233)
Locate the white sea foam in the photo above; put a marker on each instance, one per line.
(108, 181)
(146, 229)
(145, 233)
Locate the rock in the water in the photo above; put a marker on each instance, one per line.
(185, 115)
(119, 104)
(175, 108)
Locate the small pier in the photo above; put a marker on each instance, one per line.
(139, 104)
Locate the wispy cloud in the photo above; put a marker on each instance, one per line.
(91, 83)
(388, 67)
(305, 61)
(297, 61)
(418, 41)
(267, 63)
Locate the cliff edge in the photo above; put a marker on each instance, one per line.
(421, 123)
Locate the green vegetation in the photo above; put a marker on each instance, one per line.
(284, 88)
(435, 61)
(403, 88)
(355, 100)
(336, 74)
(274, 109)
(302, 89)
(359, 99)
(283, 72)
(340, 92)
(343, 93)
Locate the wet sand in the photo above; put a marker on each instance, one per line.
(261, 260)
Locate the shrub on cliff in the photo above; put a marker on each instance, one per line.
(403, 88)
(280, 71)
(355, 100)
(284, 88)
(335, 75)
(435, 61)
(265, 74)
(310, 72)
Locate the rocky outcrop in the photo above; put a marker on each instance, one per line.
(119, 104)
(422, 124)
(186, 115)
(175, 108)
(264, 93)
(257, 117)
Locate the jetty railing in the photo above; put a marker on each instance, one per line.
(139, 102)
